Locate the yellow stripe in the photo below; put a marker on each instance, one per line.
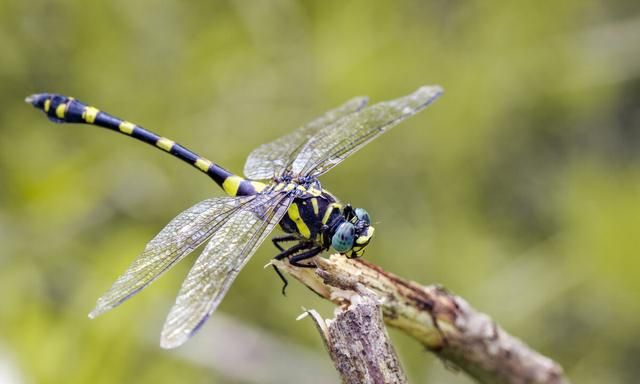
(165, 144)
(366, 237)
(314, 204)
(314, 191)
(294, 214)
(203, 164)
(89, 114)
(126, 127)
(279, 187)
(47, 105)
(329, 211)
(258, 186)
(60, 110)
(231, 185)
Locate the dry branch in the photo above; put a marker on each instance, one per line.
(358, 342)
(444, 323)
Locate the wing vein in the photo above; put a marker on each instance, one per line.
(228, 250)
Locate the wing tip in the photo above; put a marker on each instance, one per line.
(174, 339)
(94, 313)
(170, 343)
(103, 305)
(98, 310)
(432, 91)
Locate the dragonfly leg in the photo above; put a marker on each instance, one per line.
(296, 259)
(285, 282)
(287, 253)
(297, 253)
(281, 239)
(301, 246)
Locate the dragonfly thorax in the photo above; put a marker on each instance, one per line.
(317, 216)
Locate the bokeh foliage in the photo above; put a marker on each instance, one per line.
(519, 189)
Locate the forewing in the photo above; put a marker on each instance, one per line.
(269, 160)
(222, 259)
(181, 236)
(334, 143)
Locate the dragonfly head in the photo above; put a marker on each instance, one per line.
(353, 235)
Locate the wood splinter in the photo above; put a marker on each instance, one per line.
(356, 338)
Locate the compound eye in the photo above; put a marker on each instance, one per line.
(363, 215)
(342, 240)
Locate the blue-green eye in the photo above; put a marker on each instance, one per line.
(363, 215)
(342, 240)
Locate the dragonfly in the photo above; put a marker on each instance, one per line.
(280, 188)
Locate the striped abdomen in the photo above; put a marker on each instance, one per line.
(62, 109)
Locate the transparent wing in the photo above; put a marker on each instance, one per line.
(222, 259)
(181, 236)
(334, 143)
(269, 160)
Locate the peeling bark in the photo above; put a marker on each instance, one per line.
(358, 343)
(443, 322)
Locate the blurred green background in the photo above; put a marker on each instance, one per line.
(519, 189)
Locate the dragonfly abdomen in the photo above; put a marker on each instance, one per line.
(62, 109)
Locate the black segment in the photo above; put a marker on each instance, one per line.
(75, 109)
